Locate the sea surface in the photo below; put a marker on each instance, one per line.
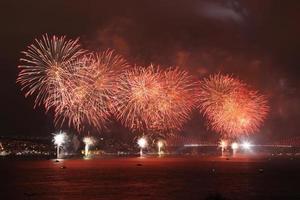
(153, 178)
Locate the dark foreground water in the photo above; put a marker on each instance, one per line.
(152, 178)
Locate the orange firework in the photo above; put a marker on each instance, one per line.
(77, 85)
(153, 99)
(177, 100)
(230, 106)
(46, 69)
(88, 100)
(137, 93)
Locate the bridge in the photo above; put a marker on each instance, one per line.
(198, 141)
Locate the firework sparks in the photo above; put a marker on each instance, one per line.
(160, 145)
(137, 93)
(59, 139)
(154, 99)
(223, 145)
(177, 100)
(234, 147)
(88, 141)
(77, 85)
(90, 91)
(142, 142)
(82, 88)
(230, 107)
(47, 69)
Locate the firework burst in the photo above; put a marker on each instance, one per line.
(150, 99)
(230, 106)
(59, 140)
(88, 141)
(77, 85)
(90, 91)
(46, 69)
(137, 92)
(176, 101)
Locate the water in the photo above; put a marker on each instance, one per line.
(151, 178)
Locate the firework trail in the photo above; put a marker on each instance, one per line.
(230, 106)
(90, 93)
(150, 99)
(46, 69)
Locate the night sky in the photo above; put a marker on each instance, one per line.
(254, 40)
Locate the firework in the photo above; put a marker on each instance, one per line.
(154, 99)
(160, 145)
(77, 85)
(234, 147)
(142, 142)
(84, 88)
(46, 69)
(176, 101)
(230, 106)
(138, 92)
(88, 141)
(90, 91)
(223, 144)
(59, 139)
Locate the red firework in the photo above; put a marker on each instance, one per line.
(230, 106)
(89, 93)
(177, 100)
(77, 85)
(137, 93)
(154, 99)
(46, 69)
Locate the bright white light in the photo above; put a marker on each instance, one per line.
(234, 146)
(142, 142)
(160, 144)
(223, 144)
(246, 145)
(88, 141)
(59, 138)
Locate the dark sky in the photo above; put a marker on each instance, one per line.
(257, 41)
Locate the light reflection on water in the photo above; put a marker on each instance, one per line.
(150, 178)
